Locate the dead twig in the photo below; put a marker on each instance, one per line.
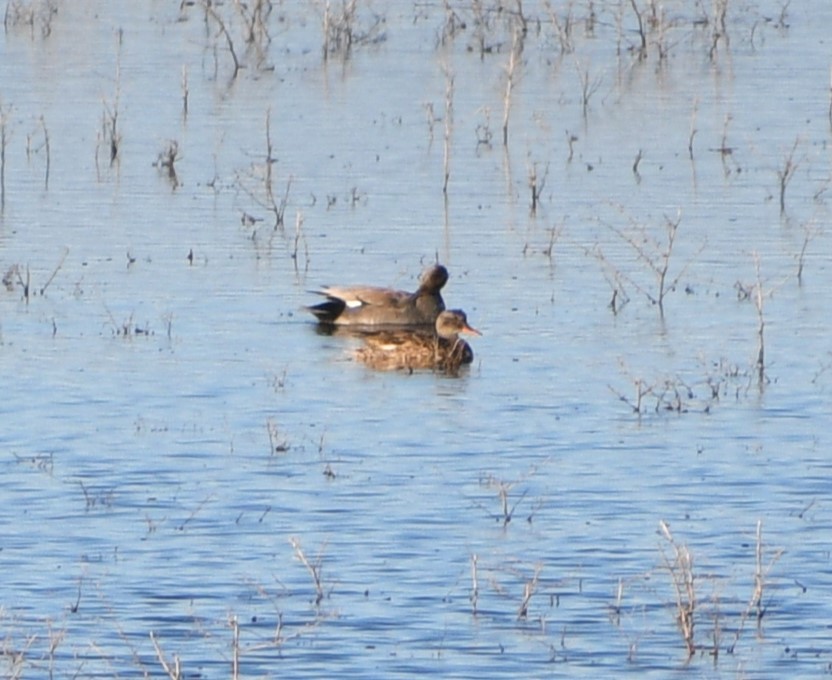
(172, 668)
(684, 586)
(313, 569)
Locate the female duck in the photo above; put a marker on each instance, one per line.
(442, 350)
(373, 306)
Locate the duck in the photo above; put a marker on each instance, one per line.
(441, 350)
(375, 306)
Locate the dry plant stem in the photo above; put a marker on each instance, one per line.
(299, 236)
(185, 93)
(563, 29)
(786, 173)
(536, 185)
(340, 30)
(636, 163)
(588, 86)
(277, 209)
(55, 271)
(4, 141)
(326, 31)
(720, 29)
(516, 48)
(808, 235)
(313, 569)
(235, 647)
(657, 257)
(475, 589)
(529, 589)
(616, 608)
(642, 53)
(449, 116)
(276, 444)
(25, 284)
(173, 669)
(693, 129)
(256, 32)
(508, 514)
(761, 347)
(195, 512)
(757, 597)
(48, 153)
(829, 113)
(55, 639)
(114, 136)
(755, 604)
(16, 658)
(270, 159)
(681, 573)
(209, 11)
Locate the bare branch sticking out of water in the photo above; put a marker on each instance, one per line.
(173, 668)
(343, 29)
(277, 444)
(449, 119)
(475, 588)
(235, 647)
(255, 17)
(313, 569)
(300, 237)
(725, 150)
(642, 390)
(589, 86)
(185, 91)
(636, 163)
(810, 231)
(656, 253)
(166, 162)
(675, 394)
(483, 130)
(27, 15)
(755, 604)
(719, 27)
(642, 52)
(32, 148)
(507, 508)
(529, 589)
(537, 182)
(54, 271)
(786, 173)
(516, 51)
(761, 326)
(24, 283)
(693, 115)
(4, 142)
(258, 183)
(563, 27)
(684, 586)
(211, 12)
(109, 137)
(829, 111)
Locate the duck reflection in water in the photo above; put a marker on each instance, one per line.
(441, 350)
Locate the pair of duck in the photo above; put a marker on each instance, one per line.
(402, 331)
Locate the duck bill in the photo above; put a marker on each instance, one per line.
(470, 330)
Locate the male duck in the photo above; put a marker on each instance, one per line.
(442, 350)
(373, 306)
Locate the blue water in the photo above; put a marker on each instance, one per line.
(177, 439)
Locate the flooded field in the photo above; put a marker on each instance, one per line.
(631, 477)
